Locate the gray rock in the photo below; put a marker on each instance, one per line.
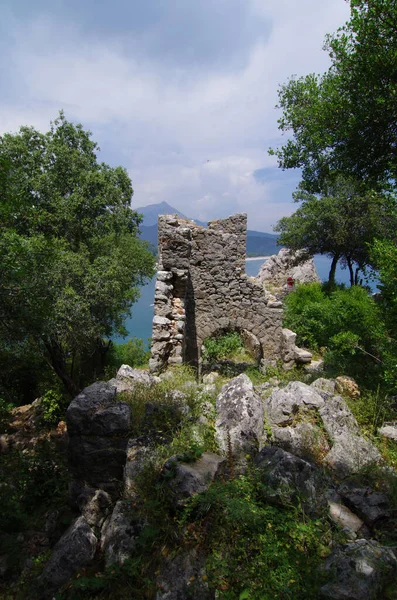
(344, 517)
(75, 550)
(288, 340)
(283, 405)
(388, 431)
(358, 570)
(162, 321)
(275, 304)
(304, 440)
(183, 577)
(286, 264)
(119, 533)
(189, 478)
(324, 385)
(350, 454)
(369, 505)
(291, 480)
(137, 454)
(338, 418)
(302, 356)
(350, 451)
(210, 378)
(98, 427)
(240, 418)
(97, 508)
(95, 412)
(315, 367)
(128, 378)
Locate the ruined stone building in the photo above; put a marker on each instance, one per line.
(202, 289)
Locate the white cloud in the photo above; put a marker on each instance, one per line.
(163, 121)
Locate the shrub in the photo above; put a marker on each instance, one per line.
(5, 414)
(54, 405)
(224, 346)
(32, 481)
(347, 322)
(255, 550)
(133, 353)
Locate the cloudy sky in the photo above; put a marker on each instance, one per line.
(179, 92)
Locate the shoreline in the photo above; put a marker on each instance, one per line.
(257, 258)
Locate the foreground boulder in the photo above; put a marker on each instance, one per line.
(290, 480)
(98, 427)
(283, 405)
(371, 506)
(119, 533)
(239, 422)
(184, 577)
(359, 569)
(185, 479)
(75, 550)
(349, 451)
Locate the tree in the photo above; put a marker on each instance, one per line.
(70, 253)
(340, 223)
(345, 121)
(385, 255)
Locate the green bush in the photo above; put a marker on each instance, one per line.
(5, 414)
(132, 353)
(346, 322)
(255, 550)
(224, 346)
(54, 405)
(31, 482)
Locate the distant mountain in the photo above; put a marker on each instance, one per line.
(258, 242)
(152, 211)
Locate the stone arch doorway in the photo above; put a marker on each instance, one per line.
(251, 352)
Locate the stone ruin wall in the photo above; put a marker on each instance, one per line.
(202, 289)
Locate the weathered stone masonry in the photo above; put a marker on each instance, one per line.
(202, 289)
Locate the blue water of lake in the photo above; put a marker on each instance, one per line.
(140, 323)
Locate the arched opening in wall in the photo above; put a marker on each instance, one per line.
(231, 352)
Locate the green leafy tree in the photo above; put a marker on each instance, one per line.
(71, 257)
(347, 322)
(346, 119)
(340, 223)
(385, 254)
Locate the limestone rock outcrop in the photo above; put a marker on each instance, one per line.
(128, 378)
(360, 569)
(348, 451)
(98, 426)
(287, 263)
(240, 416)
(190, 478)
(74, 550)
(291, 480)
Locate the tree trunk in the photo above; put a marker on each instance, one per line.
(58, 364)
(331, 276)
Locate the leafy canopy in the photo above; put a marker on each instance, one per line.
(340, 223)
(70, 253)
(345, 121)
